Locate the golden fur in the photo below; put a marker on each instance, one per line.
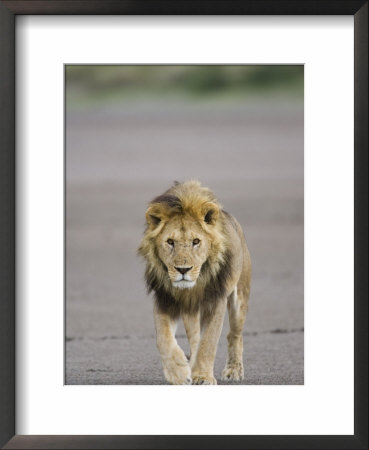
(197, 264)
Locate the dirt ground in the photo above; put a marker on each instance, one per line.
(118, 157)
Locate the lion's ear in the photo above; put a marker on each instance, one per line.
(153, 220)
(154, 216)
(210, 213)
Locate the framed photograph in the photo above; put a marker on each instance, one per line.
(184, 202)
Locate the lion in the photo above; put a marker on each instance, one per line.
(197, 265)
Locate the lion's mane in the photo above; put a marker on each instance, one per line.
(189, 199)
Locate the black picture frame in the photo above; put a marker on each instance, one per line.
(8, 12)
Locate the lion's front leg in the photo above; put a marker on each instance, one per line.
(192, 326)
(175, 365)
(211, 328)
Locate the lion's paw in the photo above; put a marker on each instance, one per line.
(177, 369)
(203, 379)
(233, 372)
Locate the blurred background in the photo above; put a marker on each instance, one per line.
(131, 131)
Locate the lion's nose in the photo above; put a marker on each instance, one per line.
(183, 270)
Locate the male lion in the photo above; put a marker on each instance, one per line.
(197, 264)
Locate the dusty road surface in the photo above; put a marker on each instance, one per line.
(120, 156)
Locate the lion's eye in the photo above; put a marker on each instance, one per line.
(170, 242)
(196, 241)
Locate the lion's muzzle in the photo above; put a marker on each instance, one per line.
(182, 278)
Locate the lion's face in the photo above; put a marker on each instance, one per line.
(182, 233)
(183, 247)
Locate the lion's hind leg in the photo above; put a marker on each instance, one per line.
(237, 309)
